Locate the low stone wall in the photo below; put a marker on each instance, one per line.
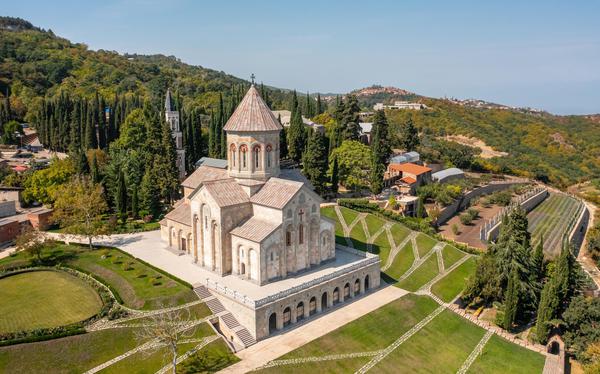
(579, 229)
(491, 232)
(8, 208)
(463, 202)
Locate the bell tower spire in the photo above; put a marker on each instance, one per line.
(172, 117)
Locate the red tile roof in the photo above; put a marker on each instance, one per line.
(408, 180)
(410, 168)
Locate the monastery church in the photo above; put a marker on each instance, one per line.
(254, 229)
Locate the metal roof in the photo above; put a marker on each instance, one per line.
(443, 174)
(212, 162)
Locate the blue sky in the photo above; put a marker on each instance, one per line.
(543, 54)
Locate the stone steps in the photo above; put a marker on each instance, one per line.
(230, 320)
(202, 292)
(215, 306)
(245, 337)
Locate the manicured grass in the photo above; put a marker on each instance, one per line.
(349, 215)
(424, 244)
(194, 312)
(149, 362)
(453, 283)
(41, 299)
(74, 354)
(212, 358)
(423, 274)
(501, 356)
(347, 365)
(402, 262)
(381, 246)
(358, 237)
(374, 223)
(140, 286)
(399, 233)
(372, 331)
(450, 255)
(439, 347)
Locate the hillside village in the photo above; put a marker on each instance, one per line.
(192, 221)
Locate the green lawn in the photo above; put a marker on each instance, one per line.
(372, 331)
(358, 237)
(424, 244)
(402, 262)
(381, 246)
(453, 283)
(74, 354)
(349, 215)
(501, 356)
(423, 274)
(148, 362)
(439, 347)
(45, 299)
(450, 255)
(329, 212)
(140, 286)
(399, 233)
(374, 223)
(210, 359)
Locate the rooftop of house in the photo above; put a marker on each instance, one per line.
(410, 168)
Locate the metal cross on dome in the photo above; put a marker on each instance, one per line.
(252, 78)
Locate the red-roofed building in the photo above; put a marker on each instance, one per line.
(407, 176)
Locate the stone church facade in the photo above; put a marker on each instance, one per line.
(251, 228)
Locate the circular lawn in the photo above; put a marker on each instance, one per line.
(42, 299)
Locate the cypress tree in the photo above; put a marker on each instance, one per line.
(283, 146)
(134, 202)
(314, 161)
(511, 300)
(296, 136)
(319, 104)
(82, 164)
(376, 176)
(335, 177)
(94, 172)
(409, 137)
(121, 201)
(149, 195)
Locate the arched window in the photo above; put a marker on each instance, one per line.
(232, 150)
(288, 237)
(301, 234)
(256, 155)
(269, 149)
(244, 155)
(314, 208)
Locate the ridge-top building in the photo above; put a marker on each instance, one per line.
(257, 235)
(172, 117)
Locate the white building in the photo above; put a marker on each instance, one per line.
(400, 105)
(172, 117)
(267, 254)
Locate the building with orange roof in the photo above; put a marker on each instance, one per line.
(408, 176)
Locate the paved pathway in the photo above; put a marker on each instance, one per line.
(270, 349)
(475, 353)
(396, 248)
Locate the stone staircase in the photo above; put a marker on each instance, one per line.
(228, 319)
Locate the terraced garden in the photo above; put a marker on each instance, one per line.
(382, 342)
(411, 260)
(552, 218)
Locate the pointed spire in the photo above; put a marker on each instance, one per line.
(252, 114)
(168, 101)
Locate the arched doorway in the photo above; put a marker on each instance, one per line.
(366, 283)
(183, 244)
(243, 269)
(336, 296)
(356, 287)
(287, 317)
(300, 311)
(347, 291)
(272, 323)
(554, 348)
(312, 306)
(324, 301)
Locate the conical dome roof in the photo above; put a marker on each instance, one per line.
(252, 115)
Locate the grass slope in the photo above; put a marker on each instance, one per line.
(402, 262)
(381, 246)
(501, 356)
(45, 299)
(424, 244)
(421, 275)
(450, 255)
(349, 215)
(399, 233)
(439, 347)
(453, 283)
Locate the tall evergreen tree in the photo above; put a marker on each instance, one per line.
(94, 169)
(149, 196)
(511, 300)
(335, 176)
(283, 147)
(134, 202)
(314, 161)
(319, 104)
(121, 201)
(409, 136)
(296, 136)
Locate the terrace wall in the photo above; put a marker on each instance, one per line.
(578, 232)
(463, 202)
